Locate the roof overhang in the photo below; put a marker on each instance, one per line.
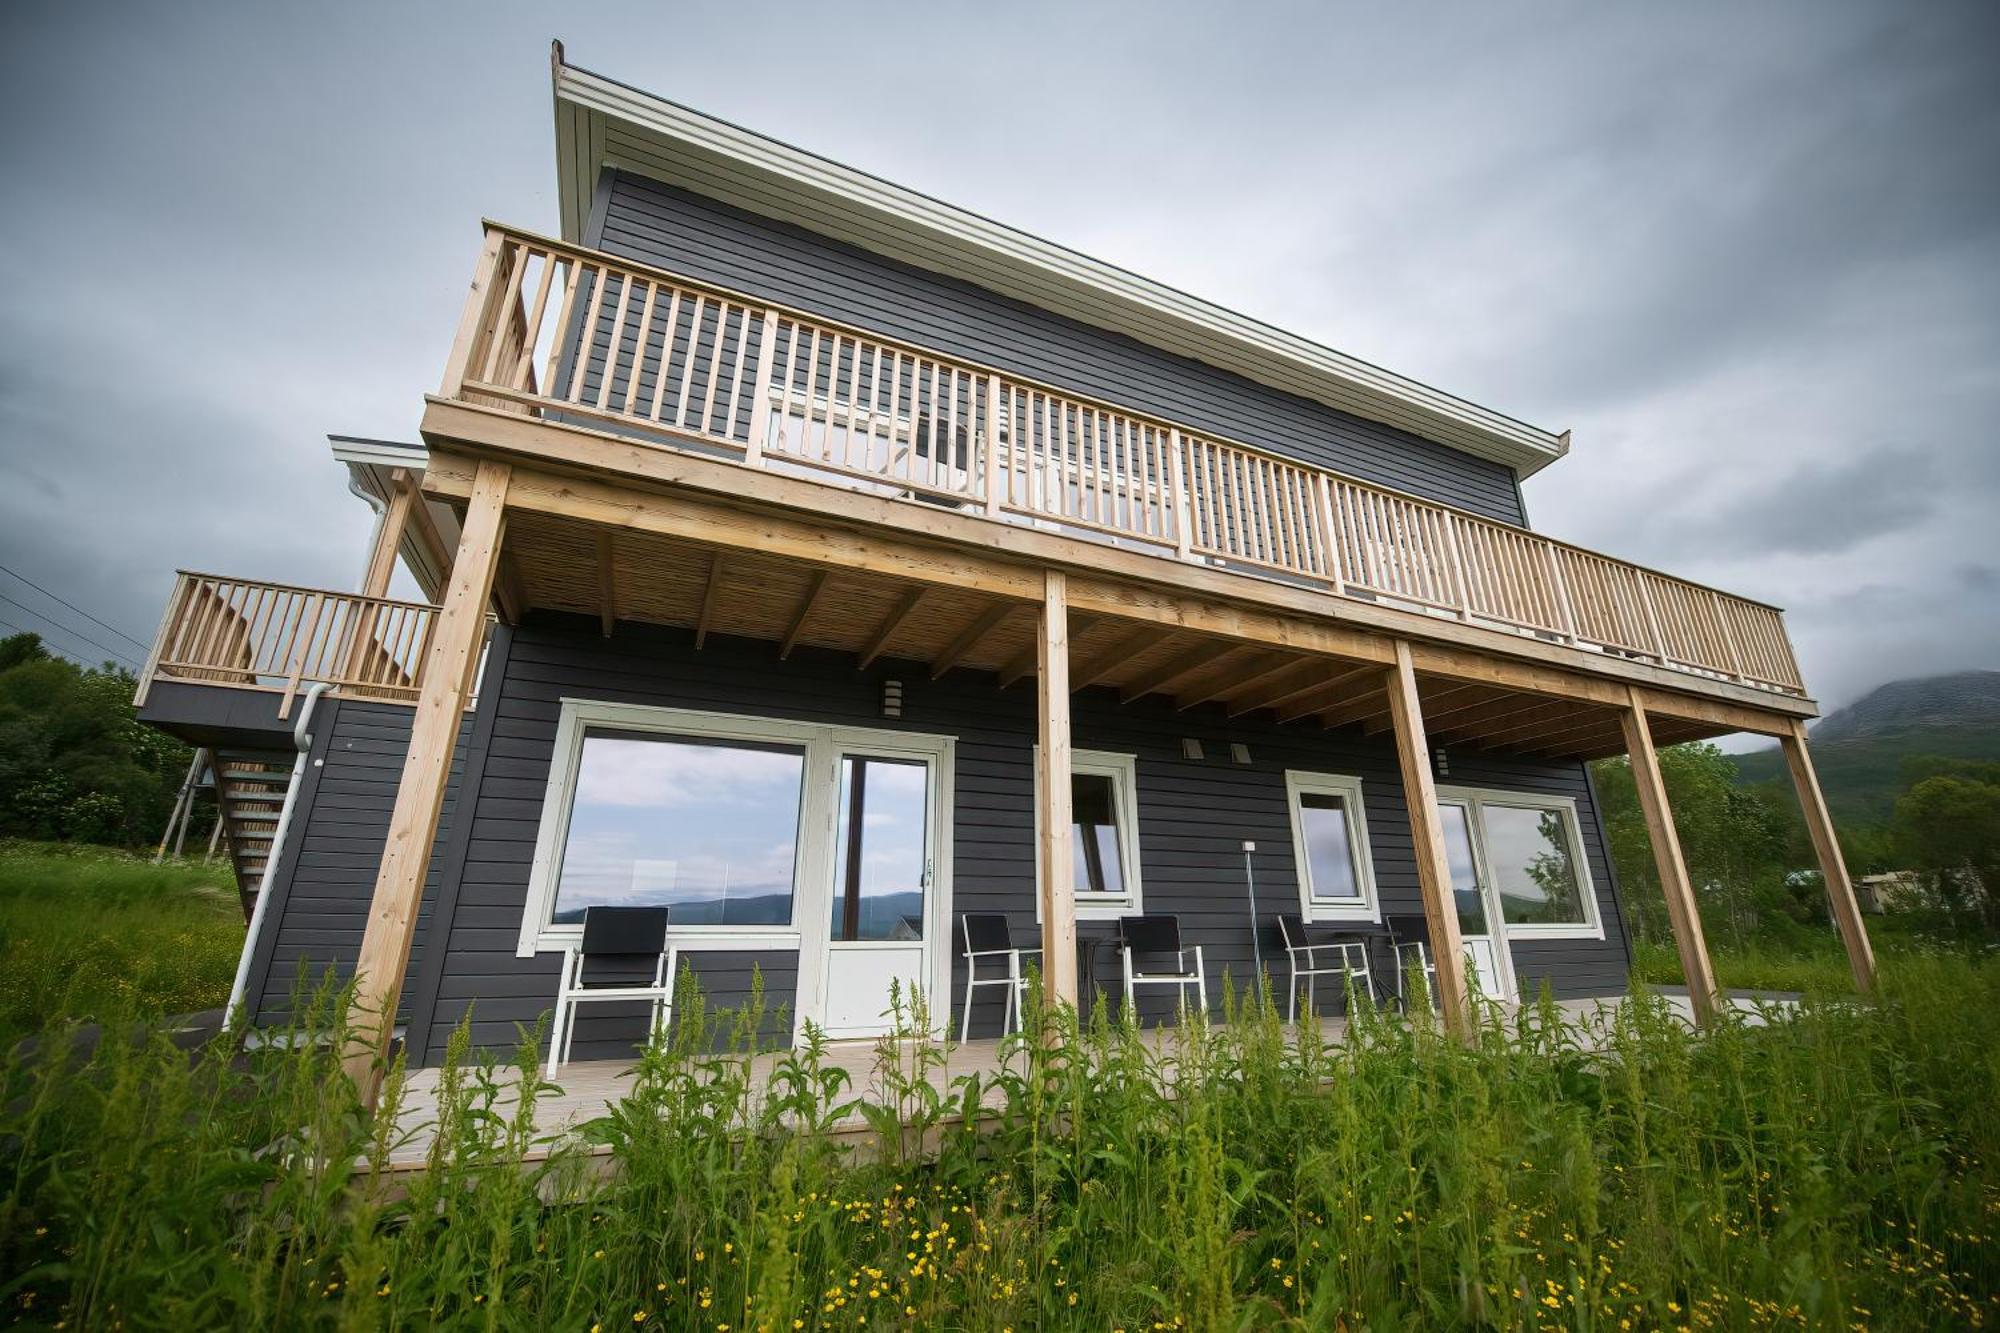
(425, 546)
(601, 122)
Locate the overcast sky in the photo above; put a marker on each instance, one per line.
(1748, 253)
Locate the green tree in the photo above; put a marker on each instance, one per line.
(75, 762)
(1948, 829)
(1733, 839)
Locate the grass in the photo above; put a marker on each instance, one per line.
(87, 932)
(1836, 1167)
(1812, 962)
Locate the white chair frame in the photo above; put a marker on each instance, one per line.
(1016, 982)
(572, 992)
(1353, 963)
(1425, 968)
(1182, 979)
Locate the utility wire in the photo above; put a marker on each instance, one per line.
(141, 646)
(117, 654)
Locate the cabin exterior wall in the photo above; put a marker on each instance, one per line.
(686, 233)
(1192, 818)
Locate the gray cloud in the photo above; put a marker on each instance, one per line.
(1751, 254)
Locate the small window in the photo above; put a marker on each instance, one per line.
(1330, 846)
(1104, 833)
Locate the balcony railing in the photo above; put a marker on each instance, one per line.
(268, 636)
(573, 335)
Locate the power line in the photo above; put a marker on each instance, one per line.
(142, 647)
(116, 654)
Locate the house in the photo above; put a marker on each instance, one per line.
(827, 562)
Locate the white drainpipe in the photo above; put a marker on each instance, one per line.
(302, 740)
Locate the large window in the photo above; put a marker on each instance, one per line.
(1104, 833)
(1530, 852)
(1330, 847)
(707, 828)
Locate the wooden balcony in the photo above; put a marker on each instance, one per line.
(280, 639)
(577, 338)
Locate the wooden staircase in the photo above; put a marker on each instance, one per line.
(250, 793)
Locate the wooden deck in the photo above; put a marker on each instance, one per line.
(590, 1088)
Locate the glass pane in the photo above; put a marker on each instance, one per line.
(1532, 869)
(710, 830)
(1094, 840)
(1464, 875)
(878, 868)
(1329, 853)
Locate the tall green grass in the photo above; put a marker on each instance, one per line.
(88, 932)
(1833, 1166)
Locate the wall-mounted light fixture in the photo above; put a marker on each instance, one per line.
(892, 698)
(1439, 763)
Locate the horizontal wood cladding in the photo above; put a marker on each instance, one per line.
(1193, 815)
(687, 233)
(340, 824)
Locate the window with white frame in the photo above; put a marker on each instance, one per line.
(1330, 847)
(1104, 832)
(1530, 851)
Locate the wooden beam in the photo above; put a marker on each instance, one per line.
(814, 590)
(508, 595)
(607, 583)
(1682, 910)
(1026, 662)
(1573, 718)
(1058, 893)
(1365, 706)
(1434, 704)
(1509, 709)
(1832, 866)
(706, 616)
(449, 664)
(1302, 675)
(1261, 673)
(1341, 695)
(984, 624)
(1179, 667)
(1128, 583)
(381, 566)
(1413, 754)
(1106, 661)
(1226, 666)
(900, 612)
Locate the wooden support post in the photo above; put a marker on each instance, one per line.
(1832, 866)
(381, 565)
(1682, 911)
(1427, 833)
(1058, 892)
(448, 667)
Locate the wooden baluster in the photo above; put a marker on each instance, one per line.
(1329, 530)
(1177, 448)
(474, 318)
(300, 649)
(531, 334)
(614, 346)
(572, 283)
(587, 336)
(994, 473)
(639, 348)
(683, 399)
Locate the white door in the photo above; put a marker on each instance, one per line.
(880, 898)
(1491, 972)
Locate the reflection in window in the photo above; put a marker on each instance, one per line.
(1464, 870)
(707, 829)
(879, 866)
(1094, 842)
(1330, 876)
(1529, 851)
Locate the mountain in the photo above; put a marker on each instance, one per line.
(1859, 750)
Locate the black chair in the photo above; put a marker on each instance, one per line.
(987, 935)
(1312, 959)
(627, 935)
(1141, 937)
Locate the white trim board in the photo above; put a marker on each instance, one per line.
(1123, 770)
(1474, 798)
(1368, 906)
(600, 122)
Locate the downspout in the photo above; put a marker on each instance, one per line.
(302, 741)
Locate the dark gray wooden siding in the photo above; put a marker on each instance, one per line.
(1193, 815)
(708, 240)
(326, 876)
